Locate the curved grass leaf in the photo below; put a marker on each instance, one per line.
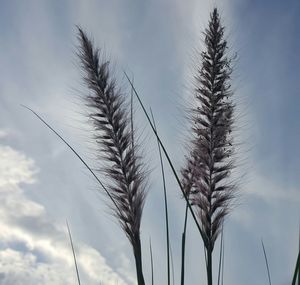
(75, 152)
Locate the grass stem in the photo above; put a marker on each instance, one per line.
(183, 245)
(74, 255)
(267, 263)
(220, 257)
(165, 201)
(151, 260)
(297, 270)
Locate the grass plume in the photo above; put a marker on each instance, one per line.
(210, 191)
(113, 135)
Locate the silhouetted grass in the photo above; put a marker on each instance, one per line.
(114, 135)
(204, 178)
(165, 202)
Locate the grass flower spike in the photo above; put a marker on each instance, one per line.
(113, 134)
(206, 176)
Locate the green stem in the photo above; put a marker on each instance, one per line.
(152, 269)
(183, 245)
(266, 260)
(209, 265)
(165, 201)
(297, 269)
(74, 255)
(299, 264)
(138, 262)
(220, 257)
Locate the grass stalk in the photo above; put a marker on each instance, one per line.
(131, 118)
(73, 251)
(183, 240)
(220, 257)
(137, 250)
(209, 266)
(151, 262)
(297, 269)
(172, 266)
(223, 260)
(299, 265)
(165, 201)
(266, 261)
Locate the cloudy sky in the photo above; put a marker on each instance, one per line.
(42, 184)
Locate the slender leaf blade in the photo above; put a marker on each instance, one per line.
(266, 260)
(73, 251)
(165, 201)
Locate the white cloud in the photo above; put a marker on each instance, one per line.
(24, 268)
(15, 168)
(34, 249)
(3, 134)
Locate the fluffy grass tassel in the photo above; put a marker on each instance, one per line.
(206, 177)
(122, 165)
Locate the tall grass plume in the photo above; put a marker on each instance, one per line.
(210, 162)
(113, 133)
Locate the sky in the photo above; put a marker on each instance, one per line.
(42, 184)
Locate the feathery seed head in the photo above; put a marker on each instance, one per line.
(207, 171)
(114, 136)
